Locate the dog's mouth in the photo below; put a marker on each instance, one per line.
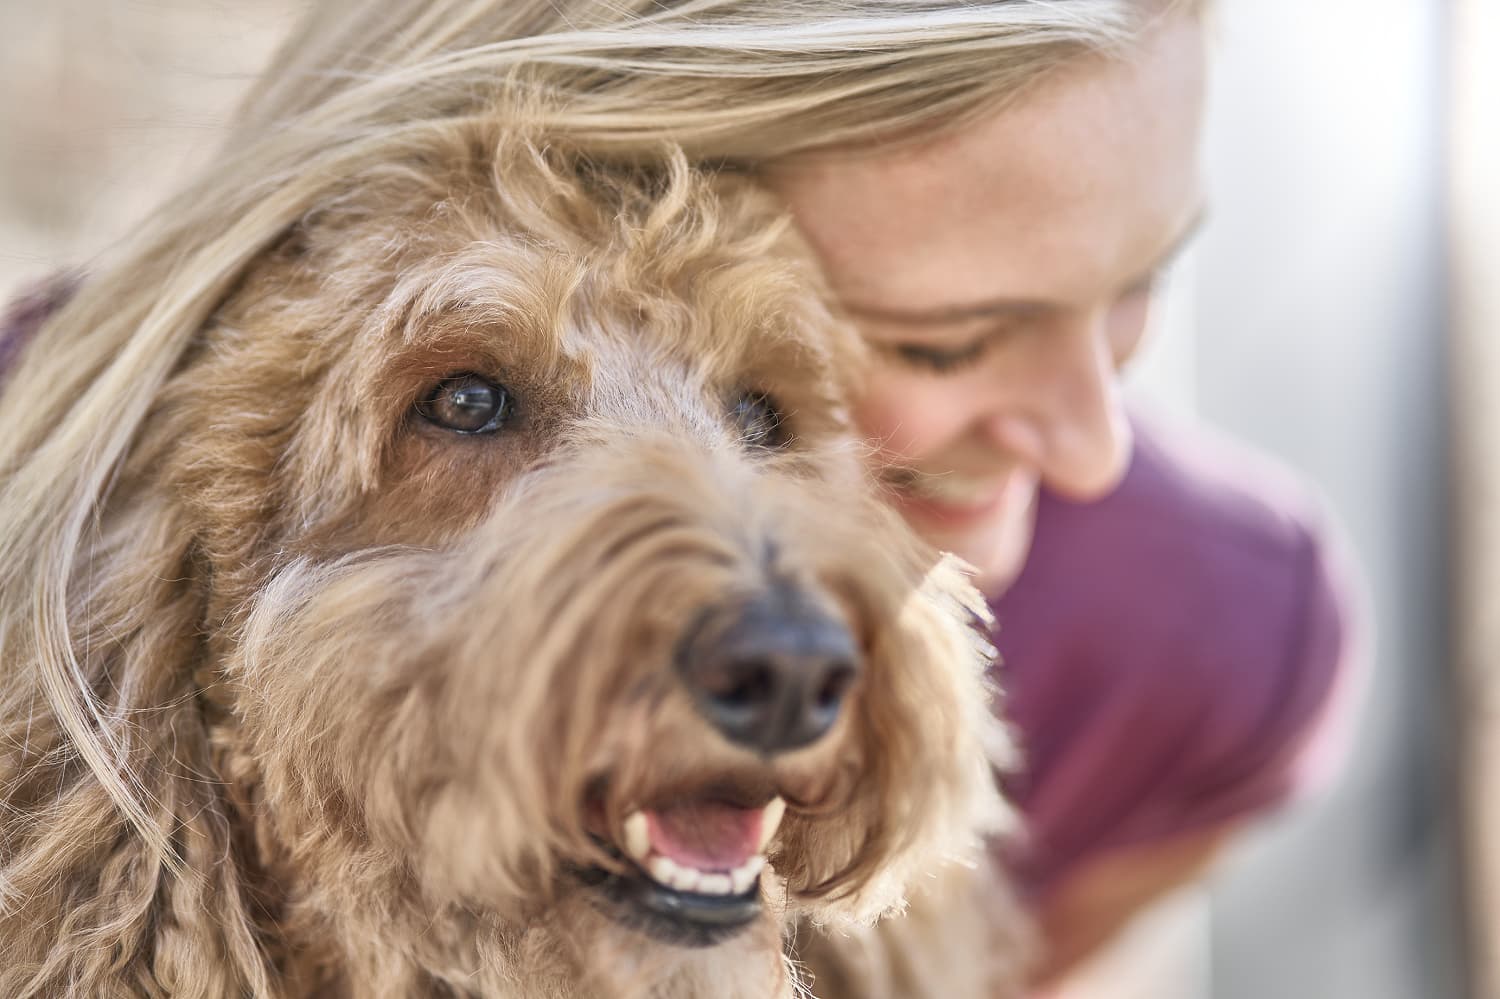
(693, 868)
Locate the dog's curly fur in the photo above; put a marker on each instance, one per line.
(379, 691)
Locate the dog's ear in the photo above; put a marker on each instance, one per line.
(930, 716)
(103, 897)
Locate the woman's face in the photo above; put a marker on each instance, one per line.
(1003, 276)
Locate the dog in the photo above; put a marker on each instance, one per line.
(494, 602)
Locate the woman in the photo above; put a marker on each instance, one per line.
(1175, 641)
(992, 190)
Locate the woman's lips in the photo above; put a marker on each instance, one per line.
(957, 505)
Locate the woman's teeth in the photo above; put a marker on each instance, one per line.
(952, 490)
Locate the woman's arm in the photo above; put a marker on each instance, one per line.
(1093, 905)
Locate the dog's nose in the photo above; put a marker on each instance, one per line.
(773, 674)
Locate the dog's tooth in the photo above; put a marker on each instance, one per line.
(770, 820)
(637, 837)
(715, 884)
(743, 876)
(686, 879)
(663, 870)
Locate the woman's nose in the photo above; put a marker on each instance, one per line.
(1065, 411)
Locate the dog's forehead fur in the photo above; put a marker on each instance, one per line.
(647, 297)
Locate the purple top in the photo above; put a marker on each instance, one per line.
(21, 318)
(1172, 656)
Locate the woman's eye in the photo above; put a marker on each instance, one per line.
(761, 421)
(467, 404)
(938, 360)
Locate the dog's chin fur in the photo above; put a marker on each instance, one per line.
(390, 692)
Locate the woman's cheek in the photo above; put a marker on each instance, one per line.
(906, 418)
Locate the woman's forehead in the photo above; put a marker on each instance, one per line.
(1062, 196)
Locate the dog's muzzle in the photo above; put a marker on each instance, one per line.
(770, 674)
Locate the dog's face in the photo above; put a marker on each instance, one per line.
(551, 614)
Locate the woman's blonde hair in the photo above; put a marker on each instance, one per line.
(735, 82)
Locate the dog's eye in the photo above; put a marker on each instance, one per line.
(467, 404)
(761, 421)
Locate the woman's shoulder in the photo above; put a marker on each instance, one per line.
(1197, 494)
(1205, 541)
(1257, 606)
(1173, 655)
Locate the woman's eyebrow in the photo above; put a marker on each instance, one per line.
(1009, 308)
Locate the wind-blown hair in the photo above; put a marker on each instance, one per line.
(733, 82)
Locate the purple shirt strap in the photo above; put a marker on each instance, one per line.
(23, 317)
(1174, 656)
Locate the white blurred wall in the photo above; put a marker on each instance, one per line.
(105, 106)
(1320, 316)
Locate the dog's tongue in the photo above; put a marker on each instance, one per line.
(705, 835)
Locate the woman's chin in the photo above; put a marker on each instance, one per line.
(997, 552)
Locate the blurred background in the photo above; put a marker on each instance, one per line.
(1341, 310)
